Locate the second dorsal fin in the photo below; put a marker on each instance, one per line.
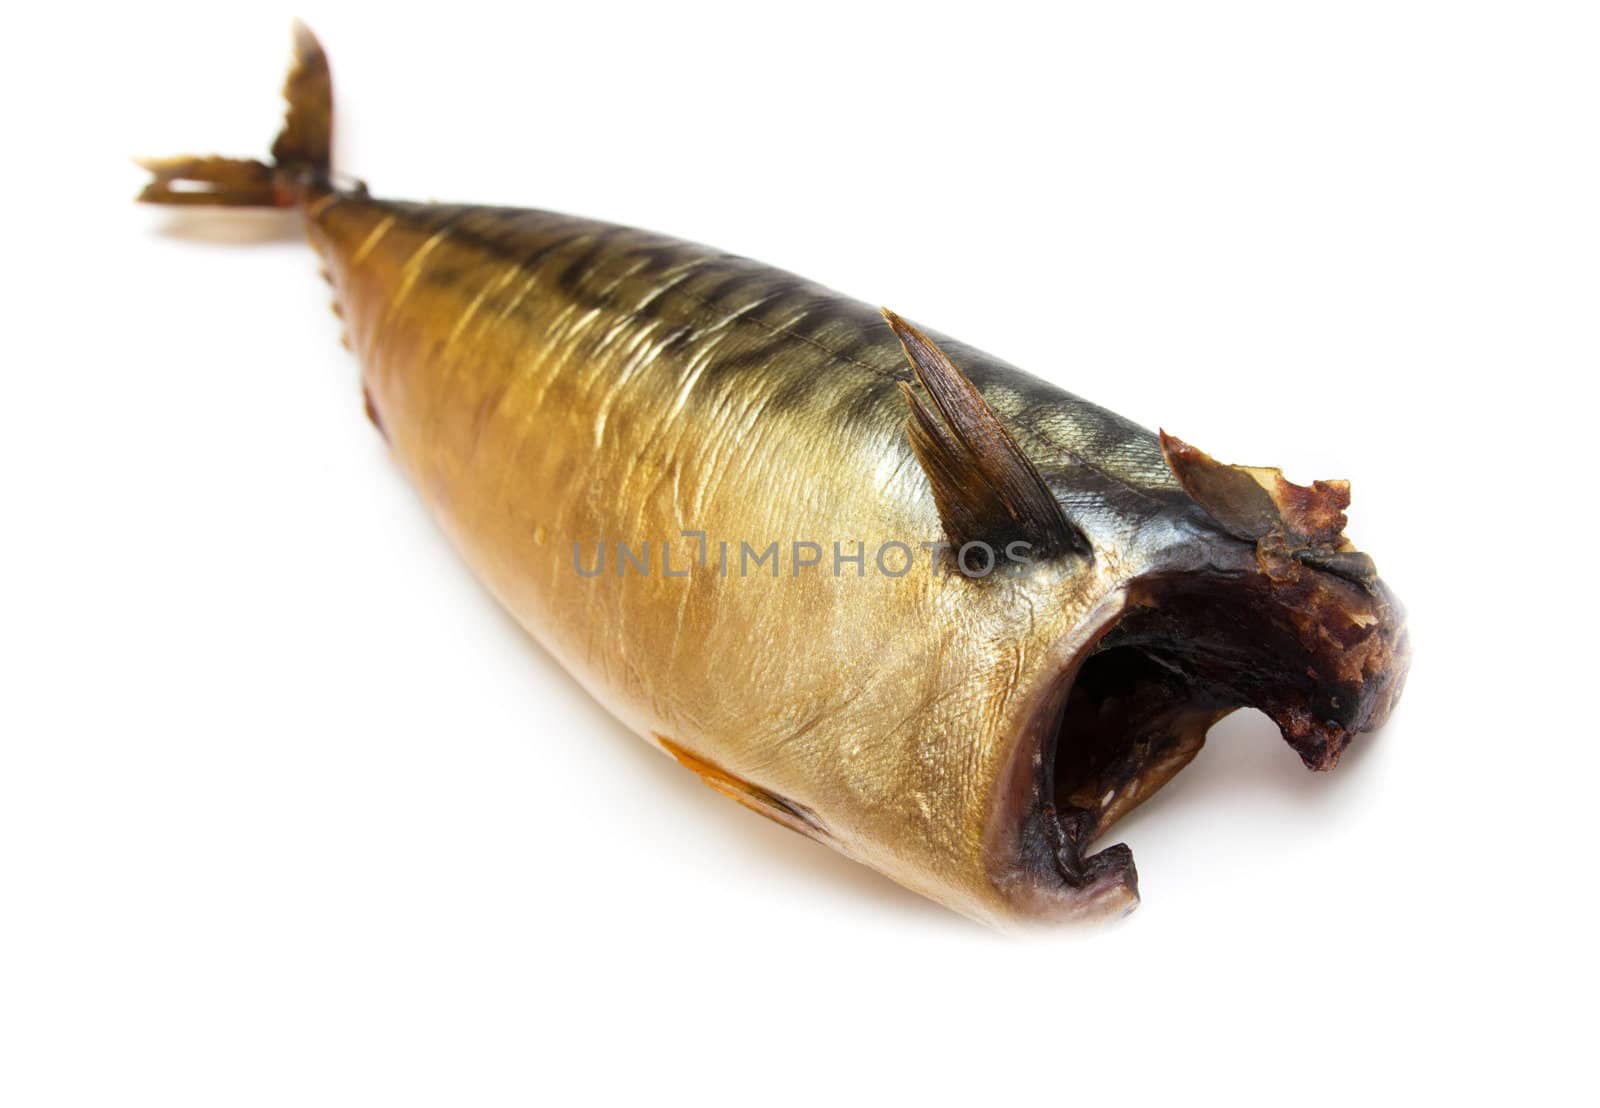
(985, 488)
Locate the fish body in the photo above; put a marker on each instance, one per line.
(881, 587)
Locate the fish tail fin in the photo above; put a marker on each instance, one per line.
(301, 164)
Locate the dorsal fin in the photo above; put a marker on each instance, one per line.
(984, 486)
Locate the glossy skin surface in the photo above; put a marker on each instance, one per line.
(740, 508)
(547, 381)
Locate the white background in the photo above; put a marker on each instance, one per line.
(290, 813)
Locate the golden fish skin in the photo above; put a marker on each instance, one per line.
(765, 470)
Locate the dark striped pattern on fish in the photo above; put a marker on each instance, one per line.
(609, 423)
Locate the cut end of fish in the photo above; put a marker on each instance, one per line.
(1253, 502)
(1321, 653)
(1106, 889)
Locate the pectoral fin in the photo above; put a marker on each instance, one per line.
(985, 488)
